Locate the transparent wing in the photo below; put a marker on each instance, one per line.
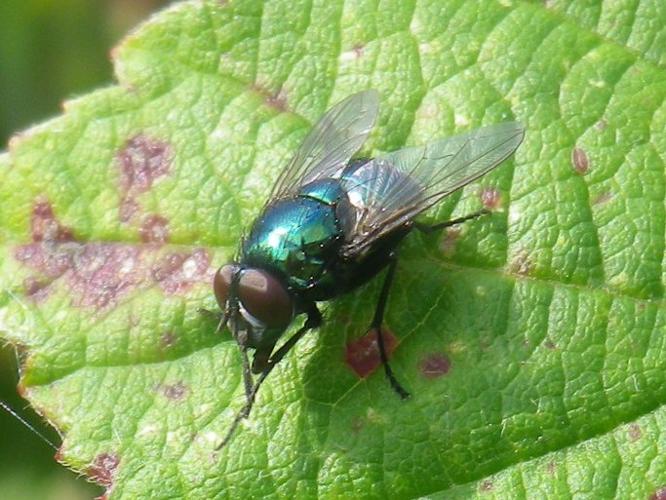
(331, 143)
(393, 188)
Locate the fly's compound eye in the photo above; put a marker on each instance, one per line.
(265, 298)
(222, 284)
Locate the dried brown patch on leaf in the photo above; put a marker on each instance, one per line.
(174, 392)
(448, 244)
(487, 486)
(521, 264)
(602, 198)
(580, 161)
(103, 469)
(168, 340)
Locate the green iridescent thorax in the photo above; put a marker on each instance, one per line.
(299, 237)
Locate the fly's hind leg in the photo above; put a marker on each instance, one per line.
(377, 326)
(427, 229)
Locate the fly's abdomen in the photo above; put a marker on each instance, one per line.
(300, 238)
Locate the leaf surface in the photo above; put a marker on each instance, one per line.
(532, 340)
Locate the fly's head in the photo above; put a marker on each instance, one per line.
(256, 306)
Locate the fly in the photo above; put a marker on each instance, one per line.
(332, 223)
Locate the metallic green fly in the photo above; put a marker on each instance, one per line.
(332, 223)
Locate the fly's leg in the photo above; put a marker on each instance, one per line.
(377, 326)
(247, 374)
(220, 317)
(427, 229)
(313, 321)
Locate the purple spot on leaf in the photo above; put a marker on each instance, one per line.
(362, 354)
(141, 160)
(660, 494)
(103, 469)
(154, 229)
(44, 225)
(580, 161)
(176, 273)
(491, 198)
(435, 365)
(35, 288)
(174, 392)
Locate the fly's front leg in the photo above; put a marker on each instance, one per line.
(427, 229)
(377, 326)
(313, 321)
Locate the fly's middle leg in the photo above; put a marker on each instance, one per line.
(377, 326)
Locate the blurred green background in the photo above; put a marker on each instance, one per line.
(50, 50)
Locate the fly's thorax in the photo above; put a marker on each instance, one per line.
(300, 237)
(331, 192)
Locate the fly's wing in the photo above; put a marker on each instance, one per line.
(393, 188)
(331, 143)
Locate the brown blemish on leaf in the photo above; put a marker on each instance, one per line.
(601, 125)
(521, 264)
(660, 494)
(276, 100)
(435, 365)
(551, 468)
(154, 229)
(486, 486)
(602, 198)
(635, 432)
(358, 50)
(362, 354)
(491, 198)
(142, 160)
(580, 161)
(168, 340)
(103, 469)
(448, 244)
(549, 344)
(174, 392)
(176, 273)
(357, 424)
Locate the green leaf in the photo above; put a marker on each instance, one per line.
(532, 340)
